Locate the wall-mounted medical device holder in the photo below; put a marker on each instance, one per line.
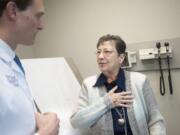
(152, 53)
(160, 53)
(147, 55)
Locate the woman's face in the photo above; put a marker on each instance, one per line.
(108, 59)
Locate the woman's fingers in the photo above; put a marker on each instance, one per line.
(123, 99)
(113, 89)
(124, 105)
(127, 97)
(125, 93)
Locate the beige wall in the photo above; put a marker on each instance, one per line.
(25, 51)
(72, 28)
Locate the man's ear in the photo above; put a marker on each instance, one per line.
(121, 58)
(11, 10)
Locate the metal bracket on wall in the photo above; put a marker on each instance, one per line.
(146, 59)
(152, 53)
(130, 59)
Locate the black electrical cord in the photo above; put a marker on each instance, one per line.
(169, 68)
(162, 83)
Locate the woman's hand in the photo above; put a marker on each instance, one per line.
(120, 99)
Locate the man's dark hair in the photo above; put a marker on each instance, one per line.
(21, 4)
(119, 43)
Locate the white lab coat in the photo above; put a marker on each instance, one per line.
(16, 102)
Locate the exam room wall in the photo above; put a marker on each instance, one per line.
(72, 28)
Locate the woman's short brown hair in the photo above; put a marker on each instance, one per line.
(119, 43)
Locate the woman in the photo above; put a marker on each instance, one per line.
(117, 102)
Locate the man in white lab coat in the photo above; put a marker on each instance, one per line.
(20, 21)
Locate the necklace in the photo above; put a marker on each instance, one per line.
(121, 120)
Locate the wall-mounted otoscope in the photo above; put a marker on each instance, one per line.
(159, 53)
(166, 44)
(162, 83)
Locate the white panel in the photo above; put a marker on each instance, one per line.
(54, 87)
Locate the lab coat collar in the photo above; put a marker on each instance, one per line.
(6, 53)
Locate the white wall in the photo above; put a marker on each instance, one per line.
(72, 28)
